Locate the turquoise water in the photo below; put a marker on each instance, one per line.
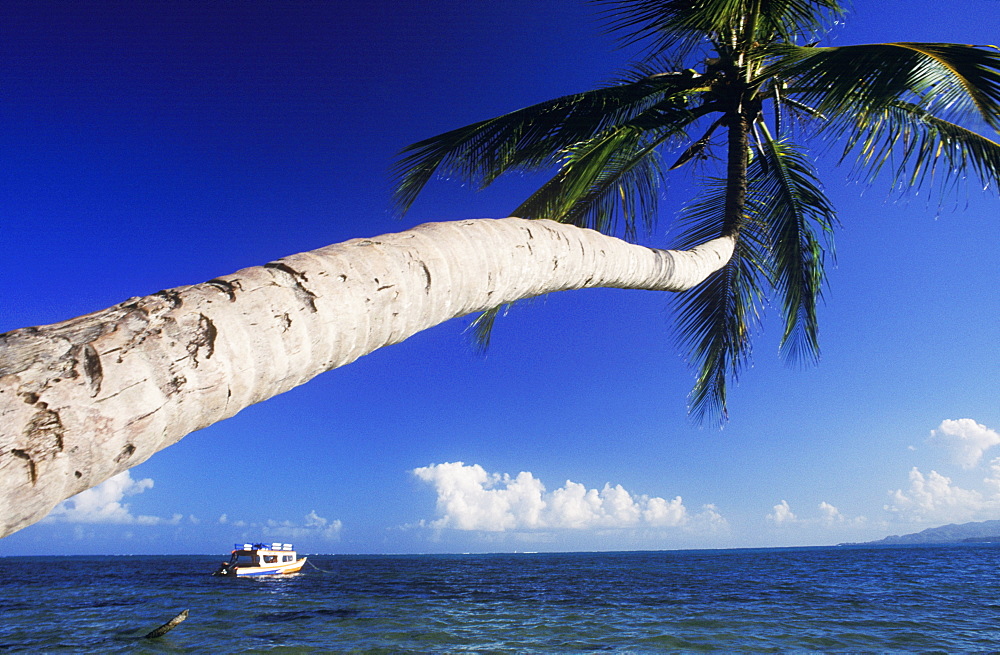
(897, 599)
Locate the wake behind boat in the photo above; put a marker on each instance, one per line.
(261, 559)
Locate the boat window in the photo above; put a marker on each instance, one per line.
(270, 559)
(286, 558)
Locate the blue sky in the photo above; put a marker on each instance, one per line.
(150, 145)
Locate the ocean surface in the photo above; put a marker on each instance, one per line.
(873, 599)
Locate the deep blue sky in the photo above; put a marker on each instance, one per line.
(151, 145)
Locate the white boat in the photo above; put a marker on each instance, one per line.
(261, 559)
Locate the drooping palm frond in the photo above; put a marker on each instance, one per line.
(715, 319)
(952, 81)
(683, 26)
(482, 326)
(616, 173)
(531, 138)
(790, 203)
(924, 148)
(777, 247)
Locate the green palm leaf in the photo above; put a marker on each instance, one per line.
(716, 319)
(615, 173)
(532, 138)
(924, 148)
(950, 80)
(683, 26)
(482, 326)
(790, 203)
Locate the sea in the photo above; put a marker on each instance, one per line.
(831, 599)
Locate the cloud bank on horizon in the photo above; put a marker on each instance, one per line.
(470, 499)
(104, 504)
(929, 498)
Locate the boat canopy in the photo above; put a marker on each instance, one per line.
(262, 546)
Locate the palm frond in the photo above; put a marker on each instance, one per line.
(802, 109)
(619, 177)
(482, 326)
(697, 148)
(952, 81)
(531, 138)
(656, 64)
(615, 174)
(684, 27)
(779, 120)
(715, 319)
(792, 208)
(924, 148)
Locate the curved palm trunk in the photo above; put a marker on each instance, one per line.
(83, 400)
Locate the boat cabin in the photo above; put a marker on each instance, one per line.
(262, 554)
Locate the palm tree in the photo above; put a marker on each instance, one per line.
(742, 83)
(85, 399)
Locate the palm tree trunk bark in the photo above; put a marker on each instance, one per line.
(736, 172)
(85, 399)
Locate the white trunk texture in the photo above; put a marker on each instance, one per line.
(85, 399)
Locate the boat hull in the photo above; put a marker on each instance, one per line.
(278, 569)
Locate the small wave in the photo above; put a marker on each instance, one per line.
(305, 615)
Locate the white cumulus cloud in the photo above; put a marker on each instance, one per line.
(470, 498)
(830, 514)
(829, 517)
(992, 480)
(933, 497)
(672, 512)
(707, 520)
(782, 514)
(103, 504)
(966, 439)
(314, 526)
(224, 520)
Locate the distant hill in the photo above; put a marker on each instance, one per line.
(982, 531)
